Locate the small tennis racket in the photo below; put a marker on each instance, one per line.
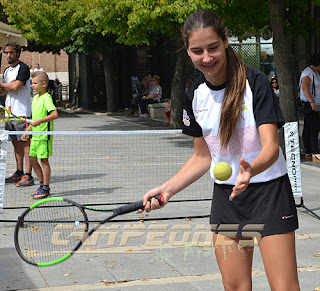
(12, 117)
(53, 229)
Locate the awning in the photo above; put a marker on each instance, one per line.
(8, 33)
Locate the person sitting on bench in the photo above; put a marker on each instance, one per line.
(153, 97)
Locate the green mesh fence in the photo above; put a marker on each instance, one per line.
(249, 53)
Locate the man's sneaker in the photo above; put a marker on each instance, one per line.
(14, 178)
(41, 194)
(26, 181)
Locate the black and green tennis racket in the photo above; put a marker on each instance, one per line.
(53, 229)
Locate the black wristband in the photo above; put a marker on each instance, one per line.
(309, 101)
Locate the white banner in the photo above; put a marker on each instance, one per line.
(291, 136)
(3, 159)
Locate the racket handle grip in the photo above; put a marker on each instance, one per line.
(136, 205)
(159, 197)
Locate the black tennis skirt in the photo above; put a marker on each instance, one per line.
(268, 208)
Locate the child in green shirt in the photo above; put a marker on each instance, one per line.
(43, 114)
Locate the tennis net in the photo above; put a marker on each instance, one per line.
(108, 167)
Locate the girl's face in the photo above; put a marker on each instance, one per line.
(208, 53)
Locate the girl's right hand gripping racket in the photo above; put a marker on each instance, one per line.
(53, 229)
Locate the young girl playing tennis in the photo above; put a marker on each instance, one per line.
(233, 115)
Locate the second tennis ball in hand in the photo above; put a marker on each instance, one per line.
(222, 171)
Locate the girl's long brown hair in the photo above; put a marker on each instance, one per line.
(236, 73)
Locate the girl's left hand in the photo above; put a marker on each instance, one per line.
(243, 179)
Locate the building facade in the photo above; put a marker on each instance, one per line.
(56, 66)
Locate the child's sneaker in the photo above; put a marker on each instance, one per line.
(26, 180)
(41, 194)
(37, 191)
(14, 178)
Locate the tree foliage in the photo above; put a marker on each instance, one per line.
(244, 18)
(47, 21)
(143, 21)
(298, 21)
(3, 15)
(90, 26)
(87, 40)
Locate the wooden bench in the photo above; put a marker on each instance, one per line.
(157, 110)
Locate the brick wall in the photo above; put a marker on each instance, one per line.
(56, 66)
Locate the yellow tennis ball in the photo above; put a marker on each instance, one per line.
(222, 171)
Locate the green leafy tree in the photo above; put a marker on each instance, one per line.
(51, 25)
(131, 22)
(32, 45)
(48, 22)
(48, 48)
(3, 15)
(245, 18)
(145, 21)
(142, 22)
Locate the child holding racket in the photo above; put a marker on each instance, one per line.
(233, 115)
(43, 114)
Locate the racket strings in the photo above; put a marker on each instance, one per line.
(49, 233)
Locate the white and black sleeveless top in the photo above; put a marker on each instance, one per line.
(201, 117)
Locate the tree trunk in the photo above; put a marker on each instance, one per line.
(283, 56)
(108, 66)
(178, 82)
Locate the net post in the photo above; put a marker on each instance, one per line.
(4, 134)
(291, 134)
(307, 209)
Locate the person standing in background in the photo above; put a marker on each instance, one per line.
(16, 89)
(310, 96)
(275, 86)
(38, 68)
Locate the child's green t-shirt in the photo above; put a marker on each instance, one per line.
(41, 107)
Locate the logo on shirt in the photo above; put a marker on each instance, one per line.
(244, 107)
(185, 118)
(201, 110)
